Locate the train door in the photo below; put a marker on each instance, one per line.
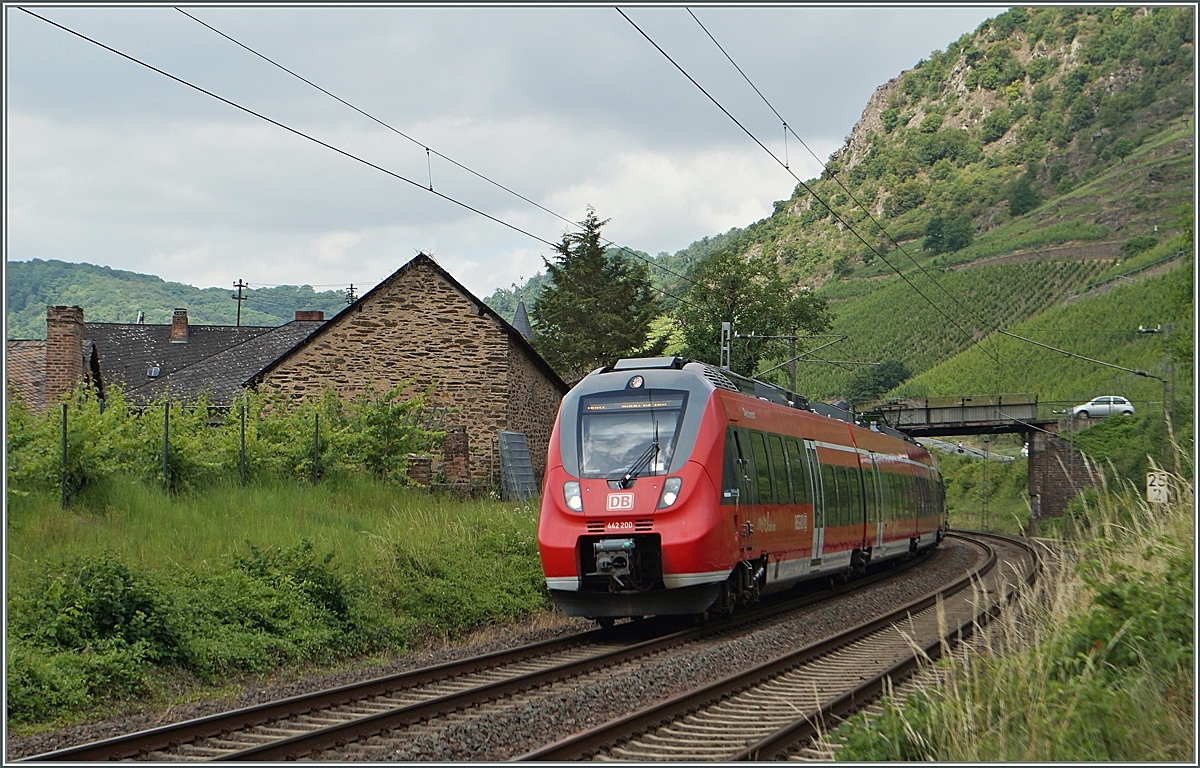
(814, 471)
(875, 503)
(747, 490)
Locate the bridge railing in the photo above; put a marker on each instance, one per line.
(974, 409)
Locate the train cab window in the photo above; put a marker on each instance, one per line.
(832, 496)
(637, 429)
(762, 468)
(801, 482)
(783, 491)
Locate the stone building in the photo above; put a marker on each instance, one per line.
(146, 360)
(422, 324)
(419, 324)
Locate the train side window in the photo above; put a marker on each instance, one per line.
(853, 497)
(783, 491)
(800, 478)
(872, 499)
(762, 468)
(832, 504)
(860, 499)
(846, 492)
(885, 496)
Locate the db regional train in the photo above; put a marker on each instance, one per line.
(675, 487)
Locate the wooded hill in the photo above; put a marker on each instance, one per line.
(116, 296)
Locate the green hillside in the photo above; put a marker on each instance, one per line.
(1103, 327)
(1047, 151)
(115, 296)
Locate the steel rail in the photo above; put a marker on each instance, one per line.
(167, 736)
(372, 725)
(805, 727)
(588, 743)
(172, 736)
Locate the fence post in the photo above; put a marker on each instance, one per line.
(243, 443)
(64, 455)
(316, 444)
(166, 440)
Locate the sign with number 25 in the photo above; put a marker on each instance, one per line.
(1156, 487)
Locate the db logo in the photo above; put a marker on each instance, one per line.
(619, 502)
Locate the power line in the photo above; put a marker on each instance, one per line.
(865, 209)
(315, 140)
(808, 189)
(288, 128)
(428, 150)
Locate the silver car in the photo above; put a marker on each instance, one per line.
(1099, 407)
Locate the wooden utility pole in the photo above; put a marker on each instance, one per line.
(239, 298)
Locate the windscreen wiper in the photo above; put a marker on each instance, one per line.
(648, 456)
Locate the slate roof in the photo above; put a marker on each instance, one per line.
(25, 370)
(222, 375)
(484, 309)
(128, 351)
(521, 321)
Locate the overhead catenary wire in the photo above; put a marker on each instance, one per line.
(313, 139)
(970, 335)
(428, 150)
(865, 209)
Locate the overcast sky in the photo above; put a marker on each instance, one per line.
(110, 163)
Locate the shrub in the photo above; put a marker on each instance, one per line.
(1135, 245)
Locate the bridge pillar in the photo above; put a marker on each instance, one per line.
(1057, 473)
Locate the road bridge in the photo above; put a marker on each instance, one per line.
(965, 415)
(1057, 472)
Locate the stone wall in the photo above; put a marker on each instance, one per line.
(533, 402)
(1057, 473)
(417, 325)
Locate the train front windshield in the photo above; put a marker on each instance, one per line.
(617, 432)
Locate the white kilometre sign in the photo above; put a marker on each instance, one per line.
(1156, 487)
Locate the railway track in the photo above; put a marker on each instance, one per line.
(304, 726)
(776, 708)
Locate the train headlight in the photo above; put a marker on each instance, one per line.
(670, 492)
(572, 496)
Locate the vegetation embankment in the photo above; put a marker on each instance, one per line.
(135, 589)
(1097, 663)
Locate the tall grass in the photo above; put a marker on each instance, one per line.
(134, 582)
(1095, 664)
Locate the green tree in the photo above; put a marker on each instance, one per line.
(750, 294)
(958, 233)
(935, 239)
(596, 306)
(1022, 198)
(876, 380)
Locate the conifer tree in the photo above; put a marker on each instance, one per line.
(596, 306)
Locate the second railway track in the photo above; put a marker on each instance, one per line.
(773, 709)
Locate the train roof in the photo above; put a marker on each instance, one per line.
(722, 378)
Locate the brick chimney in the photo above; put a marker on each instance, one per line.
(179, 327)
(310, 314)
(64, 351)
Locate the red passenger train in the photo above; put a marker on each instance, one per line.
(674, 487)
